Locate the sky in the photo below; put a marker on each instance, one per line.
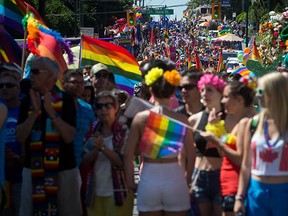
(177, 10)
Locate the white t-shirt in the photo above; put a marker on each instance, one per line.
(104, 183)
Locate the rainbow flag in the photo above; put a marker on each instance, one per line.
(220, 66)
(25, 8)
(255, 53)
(10, 51)
(162, 136)
(198, 62)
(11, 16)
(166, 35)
(45, 42)
(244, 71)
(119, 61)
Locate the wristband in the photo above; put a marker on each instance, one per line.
(102, 148)
(240, 197)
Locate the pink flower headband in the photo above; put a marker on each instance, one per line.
(211, 79)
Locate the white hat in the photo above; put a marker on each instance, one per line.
(99, 67)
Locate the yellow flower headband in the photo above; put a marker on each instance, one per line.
(172, 77)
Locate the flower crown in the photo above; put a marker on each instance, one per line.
(172, 77)
(249, 82)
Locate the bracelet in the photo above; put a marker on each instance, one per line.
(102, 148)
(240, 197)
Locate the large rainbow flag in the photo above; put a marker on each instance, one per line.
(162, 136)
(119, 61)
(11, 16)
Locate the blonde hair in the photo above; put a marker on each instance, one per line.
(275, 87)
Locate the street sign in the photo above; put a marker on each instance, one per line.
(226, 3)
(87, 31)
(163, 11)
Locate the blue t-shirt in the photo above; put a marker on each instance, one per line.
(85, 117)
(10, 131)
(11, 143)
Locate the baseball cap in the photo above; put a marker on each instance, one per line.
(99, 67)
(13, 68)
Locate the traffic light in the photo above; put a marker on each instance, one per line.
(216, 11)
(131, 18)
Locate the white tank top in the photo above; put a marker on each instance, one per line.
(269, 161)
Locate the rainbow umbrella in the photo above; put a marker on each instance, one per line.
(244, 71)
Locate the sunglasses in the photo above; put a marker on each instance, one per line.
(100, 106)
(103, 75)
(36, 71)
(259, 92)
(7, 85)
(187, 87)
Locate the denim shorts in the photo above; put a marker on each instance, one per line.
(207, 188)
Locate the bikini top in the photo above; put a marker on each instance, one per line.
(201, 142)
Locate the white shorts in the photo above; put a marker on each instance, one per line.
(162, 187)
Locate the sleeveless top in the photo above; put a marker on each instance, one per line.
(269, 160)
(229, 174)
(201, 142)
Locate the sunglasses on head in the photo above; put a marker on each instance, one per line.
(36, 71)
(100, 106)
(103, 75)
(187, 87)
(7, 85)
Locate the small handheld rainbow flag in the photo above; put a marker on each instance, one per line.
(162, 136)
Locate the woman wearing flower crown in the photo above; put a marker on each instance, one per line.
(159, 135)
(263, 177)
(238, 97)
(207, 190)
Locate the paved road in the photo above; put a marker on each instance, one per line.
(136, 171)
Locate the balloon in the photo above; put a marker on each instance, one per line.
(244, 62)
(219, 27)
(247, 50)
(240, 57)
(246, 56)
(241, 53)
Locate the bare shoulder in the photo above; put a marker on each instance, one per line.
(193, 119)
(141, 117)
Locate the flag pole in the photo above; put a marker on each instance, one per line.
(80, 52)
(24, 43)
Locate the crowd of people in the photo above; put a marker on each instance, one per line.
(205, 144)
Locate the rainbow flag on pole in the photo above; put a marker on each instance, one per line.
(162, 136)
(119, 61)
(198, 62)
(220, 66)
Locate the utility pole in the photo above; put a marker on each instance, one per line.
(246, 29)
